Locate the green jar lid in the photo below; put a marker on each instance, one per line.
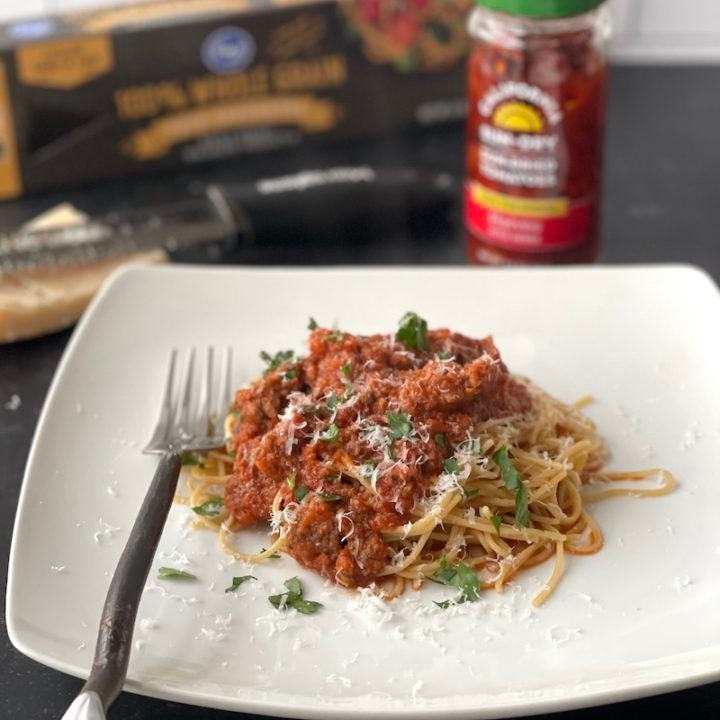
(541, 8)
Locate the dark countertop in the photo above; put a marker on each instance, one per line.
(661, 204)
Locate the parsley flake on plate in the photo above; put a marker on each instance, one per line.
(237, 581)
(173, 573)
(462, 577)
(210, 508)
(293, 598)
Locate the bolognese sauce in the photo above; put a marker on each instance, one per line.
(390, 409)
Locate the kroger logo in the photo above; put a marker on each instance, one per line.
(227, 50)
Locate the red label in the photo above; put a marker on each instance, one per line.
(522, 232)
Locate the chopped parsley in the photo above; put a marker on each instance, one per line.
(291, 479)
(173, 573)
(444, 355)
(346, 369)
(450, 466)
(293, 598)
(335, 336)
(290, 374)
(300, 493)
(513, 482)
(400, 425)
(312, 324)
(330, 497)
(470, 492)
(276, 360)
(462, 577)
(210, 508)
(332, 434)
(238, 581)
(441, 441)
(191, 458)
(333, 401)
(412, 332)
(496, 520)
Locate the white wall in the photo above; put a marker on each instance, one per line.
(678, 31)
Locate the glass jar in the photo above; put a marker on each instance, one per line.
(536, 84)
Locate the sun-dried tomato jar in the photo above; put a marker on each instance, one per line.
(536, 83)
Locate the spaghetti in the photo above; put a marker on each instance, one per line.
(386, 460)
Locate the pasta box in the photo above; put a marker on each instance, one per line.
(169, 83)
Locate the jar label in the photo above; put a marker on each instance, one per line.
(520, 137)
(523, 223)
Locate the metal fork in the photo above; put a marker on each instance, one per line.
(188, 422)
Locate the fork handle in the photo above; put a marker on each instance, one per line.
(114, 641)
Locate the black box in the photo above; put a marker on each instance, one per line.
(165, 84)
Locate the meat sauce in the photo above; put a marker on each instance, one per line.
(360, 404)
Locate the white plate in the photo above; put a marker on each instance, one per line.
(640, 617)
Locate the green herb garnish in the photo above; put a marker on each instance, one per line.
(293, 598)
(276, 360)
(312, 325)
(238, 581)
(291, 479)
(172, 573)
(210, 508)
(191, 458)
(462, 577)
(513, 482)
(330, 497)
(413, 332)
(450, 466)
(441, 441)
(290, 374)
(333, 401)
(300, 493)
(332, 434)
(400, 425)
(468, 493)
(496, 520)
(444, 355)
(346, 369)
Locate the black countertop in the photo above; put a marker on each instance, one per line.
(661, 204)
